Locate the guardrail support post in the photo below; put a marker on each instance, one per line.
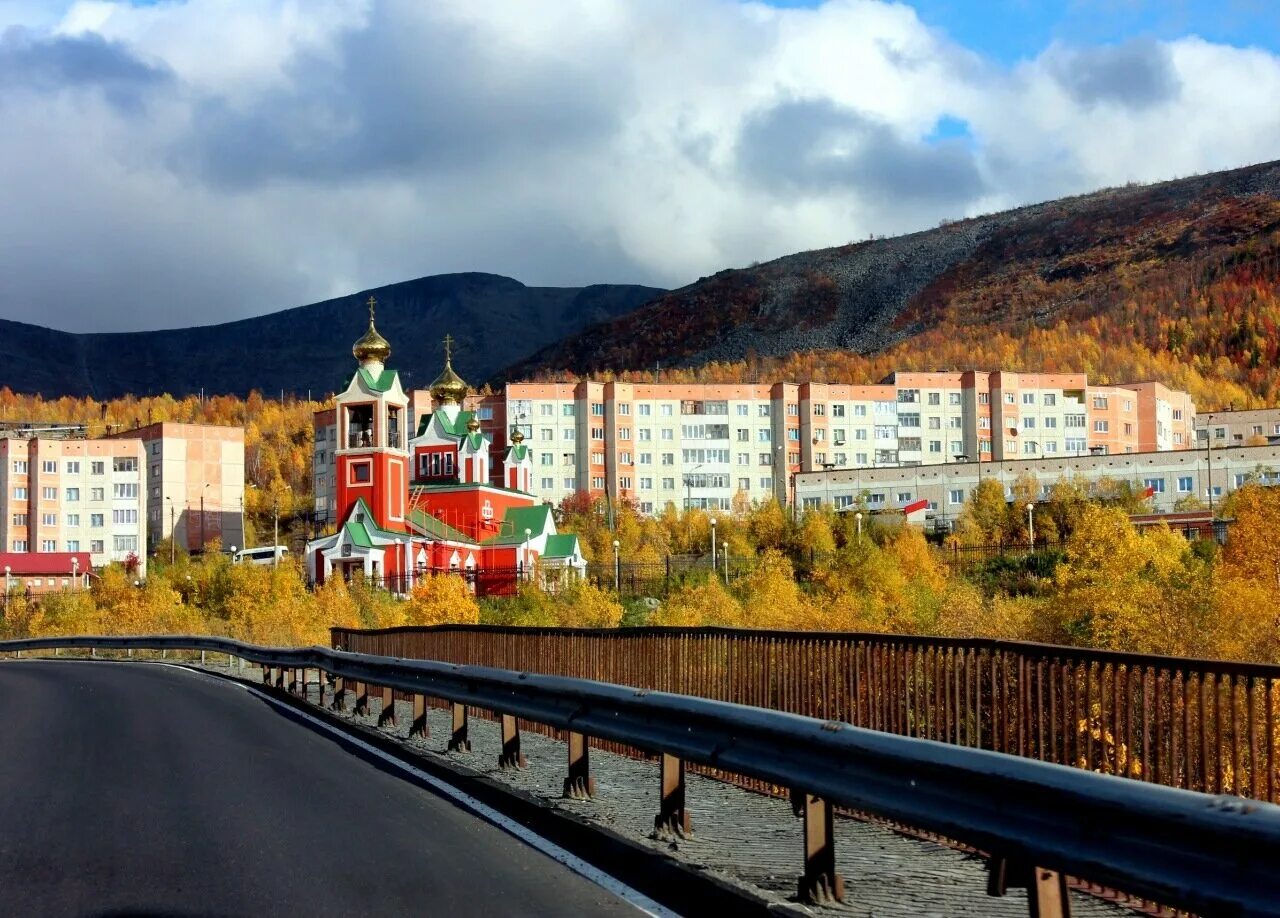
(202, 658)
(672, 816)
(388, 713)
(458, 740)
(420, 727)
(820, 882)
(579, 785)
(291, 680)
(1047, 895)
(338, 695)
(362, 700)
(511, 756)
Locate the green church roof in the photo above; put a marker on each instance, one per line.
(561, 545)
(517, 520)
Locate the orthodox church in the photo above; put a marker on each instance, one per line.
(413, 506)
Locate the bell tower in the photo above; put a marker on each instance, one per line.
(372, 455)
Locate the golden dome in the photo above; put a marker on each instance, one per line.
(449, 386)
(517, 437)
(371, 346)
(474, 424)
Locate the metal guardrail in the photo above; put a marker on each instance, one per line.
(1040, 822)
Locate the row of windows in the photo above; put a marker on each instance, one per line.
(119, 491)
(96, 546)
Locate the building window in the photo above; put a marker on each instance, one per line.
(73, 545)
(646, 484)
(124, 517)
(49, 466)
(49, 493)
(48, 519)
(1184, 484)
(1100, 403)
(908, 396)
(129, 491)
(19, 544)
(956, 496)
(20, 466)
(48, 545)
(125, 543)
(548, 458)
(766, 484)
(766, 459)
(1049, 399)
(96, 546)
(73, 494)
(1128, 428)
(625, 483)
(1155, 484)
(597, 483)
(19, 493)
(645, 410)
(668, 484)
(1100, 426)
(793, 410)
(97, 468)
(597, 409)
(819, 411)
(1009, 398)
(124, 464)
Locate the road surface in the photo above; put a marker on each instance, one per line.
(134, 788)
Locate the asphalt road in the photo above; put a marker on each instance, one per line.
(142, 789)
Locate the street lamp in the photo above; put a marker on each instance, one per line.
(725, 546)
(275, 544)
(205, 488)
(528, 533)
(7, 587)
(858, 518)
(173, 532)
(713, 544)
(75, 571)
(688, 484)
(1031, 525)
(1208, 458)
(617, 567)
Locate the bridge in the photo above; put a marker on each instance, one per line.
(148, 788)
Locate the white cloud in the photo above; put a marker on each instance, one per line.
(196, 161)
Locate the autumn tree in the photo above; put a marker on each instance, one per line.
(445, 599)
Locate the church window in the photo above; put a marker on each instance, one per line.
(360, 472)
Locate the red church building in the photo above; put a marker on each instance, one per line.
(413, 506)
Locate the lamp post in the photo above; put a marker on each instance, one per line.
(528, 533)
(688, 485)
(173, 532)
(858, 519)
(1208, 458)
(7, 587)
(275, 544)
(713, 544)
(1031, 525)
(205, 488)
(75, 571)
(617, 567)
(725, 546)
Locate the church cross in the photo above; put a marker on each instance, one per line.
(372, 303)
(448, 348)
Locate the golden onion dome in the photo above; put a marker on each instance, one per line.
(371, 346)
(517, 437)
(449, 386)
(474, 424)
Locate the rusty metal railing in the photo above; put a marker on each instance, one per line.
(1040, 821)
(1205, 725)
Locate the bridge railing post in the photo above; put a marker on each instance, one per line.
(420, 727)
(458, 739)
(579, 784)
(388, 713)
(511, 756)
(673, 817)
(1047, 895)
(339, 701)
(819, 883)
(362, 700)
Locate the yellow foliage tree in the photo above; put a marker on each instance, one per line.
(445, 599)
(705, 603)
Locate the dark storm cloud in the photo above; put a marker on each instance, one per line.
(816, 146)
(1136, 75)
(394, 101)
(89, 61)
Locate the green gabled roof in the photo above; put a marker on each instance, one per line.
(474, 440)
(380, 383)
(517, 520)
(561, 545)
(362, 534)
(426, 523)
(517, 451)
(358, 535)
(457, 427)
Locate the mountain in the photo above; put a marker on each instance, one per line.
(1185, 274)
(309, 347)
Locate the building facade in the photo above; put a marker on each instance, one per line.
(1170, 477)
(74, 496)
(1251, 427)
(410, 503)
(702, 445)
(194, 483)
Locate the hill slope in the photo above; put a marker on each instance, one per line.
(1187, 269)
(308, 348)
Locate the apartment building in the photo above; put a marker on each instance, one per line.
(194, 483)
(1251, 427)
(1171, 476)
(701, 445)
(73, 496)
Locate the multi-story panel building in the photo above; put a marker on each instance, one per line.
(704, 445)
(1170, 476)
(195, 483)
(76, 496)
(1250, 427)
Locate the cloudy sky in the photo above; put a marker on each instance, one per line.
(177, 163)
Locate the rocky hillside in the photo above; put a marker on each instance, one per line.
(309, 347)
(1069, 260)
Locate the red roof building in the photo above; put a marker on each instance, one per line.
(32, 573)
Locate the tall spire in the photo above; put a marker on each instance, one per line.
(372, 348)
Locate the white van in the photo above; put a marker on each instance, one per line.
(264, 555)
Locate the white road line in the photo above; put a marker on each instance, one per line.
(483, 810)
